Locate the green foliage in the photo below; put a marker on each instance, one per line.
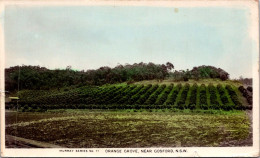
(182, 100)
(234, 97)
(172, 97)
(135, 97)
(164, 95)
(108, 95)
(205, 72)
(41, 78)
(36, 77)
(213, 97)
(132, 97)
(145, 96)
(203, 97)
(224, 99)
(193, 97)
(125, 98)
(121, 93)
(200, 72)
(151, 100)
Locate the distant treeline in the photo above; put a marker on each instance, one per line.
(246, 81)
(36, 77)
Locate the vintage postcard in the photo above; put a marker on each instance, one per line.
(129, 78)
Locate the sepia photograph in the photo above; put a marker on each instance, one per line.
(129, 78)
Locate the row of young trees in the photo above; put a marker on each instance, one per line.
(41, 78)
(184, 96)
(244, 91)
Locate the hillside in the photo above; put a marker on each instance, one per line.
(203, 94)
(214, 81)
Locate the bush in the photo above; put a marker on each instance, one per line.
(224, 99)
(172, 98)
(151, 100)
(234, 97)
(246, 95)
(135, 97)
(108, 96)
(164, 96)
(182, 100)
(125, 98)
(145, 96)
(250, 89)
(119, 94)
(222, 94)
(203, 97)
(193, 97)
(213, 96)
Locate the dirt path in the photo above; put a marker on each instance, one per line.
(17, 142)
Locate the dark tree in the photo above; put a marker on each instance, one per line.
(169, 66)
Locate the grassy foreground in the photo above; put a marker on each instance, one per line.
(121, 128)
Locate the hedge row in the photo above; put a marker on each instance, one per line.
(250, 89)
(164, 95)
(193, 97)
(172, 97)
(135, 97)
(248, 97)
(222, 93)
(120, 94)
(145, 96)
(203, 97)
(107, 96)
(151, 100)
(139, 96)
(97, 96)
(125, 98)
(183, 97)
(234, 97)
(213, 97)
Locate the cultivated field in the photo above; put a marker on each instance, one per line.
(132, 128)
(158, 114)
(190, 95)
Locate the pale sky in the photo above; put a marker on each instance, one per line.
(93, 36)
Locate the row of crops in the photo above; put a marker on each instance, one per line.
(181, 96)
(246, 93)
